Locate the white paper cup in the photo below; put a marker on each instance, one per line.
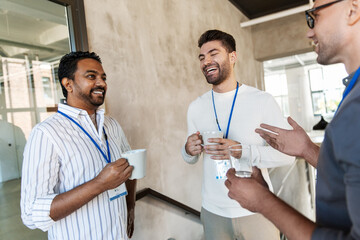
(211, 134)
(137, 159)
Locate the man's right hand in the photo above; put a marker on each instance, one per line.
(114, 174)
(193, 144)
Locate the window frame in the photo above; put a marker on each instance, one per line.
(76, 23)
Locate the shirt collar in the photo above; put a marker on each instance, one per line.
(347, 80)
(76, 112)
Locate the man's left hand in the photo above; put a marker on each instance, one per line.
(130, 221)
(219, 151)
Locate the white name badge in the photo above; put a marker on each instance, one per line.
(117, 192)
(222, 166)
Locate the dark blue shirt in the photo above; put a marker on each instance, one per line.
(338, 173)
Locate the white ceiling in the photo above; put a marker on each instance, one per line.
(33, 27)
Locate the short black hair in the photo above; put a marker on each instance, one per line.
(68, 65)
(226, 39)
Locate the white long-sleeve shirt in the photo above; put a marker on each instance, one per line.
(252, 107)
(59, 157)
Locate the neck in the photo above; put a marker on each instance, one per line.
(226, 86)
(351, 54)
(93, 119)
(351, 68)
(89, 109)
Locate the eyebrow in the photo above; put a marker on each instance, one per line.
(212, 50)
(93, 71)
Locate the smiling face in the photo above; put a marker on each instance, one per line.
(328, 32)
(88, 88)
(215, 62)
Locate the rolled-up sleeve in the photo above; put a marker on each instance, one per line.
(40, 174)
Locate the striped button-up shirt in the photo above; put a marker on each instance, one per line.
(58, 157)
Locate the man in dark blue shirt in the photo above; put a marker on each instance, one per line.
(335, 31)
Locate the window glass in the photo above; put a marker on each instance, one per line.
(276, 85)
(34, 35)
(325, 85)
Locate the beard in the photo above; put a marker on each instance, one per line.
(89, 98)
(223, 73)
(97, 101)
(328, 51)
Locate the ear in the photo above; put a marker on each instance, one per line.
(68, 84)
(233, 57)
(354, 13)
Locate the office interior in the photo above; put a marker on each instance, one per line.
(149, 53)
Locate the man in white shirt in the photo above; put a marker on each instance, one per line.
(73, 180)
(236, 110)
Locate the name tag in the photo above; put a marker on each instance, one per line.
(222, 166)
(117, 192)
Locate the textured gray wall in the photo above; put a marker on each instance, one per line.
(149, 52)
(281, 37)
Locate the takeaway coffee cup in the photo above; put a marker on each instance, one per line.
(137, 159)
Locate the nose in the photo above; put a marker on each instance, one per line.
(100, 82)
(310, 33)
(207, 60)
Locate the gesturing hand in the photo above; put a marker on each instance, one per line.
(292, 142)
(114, 174)
(193, 144)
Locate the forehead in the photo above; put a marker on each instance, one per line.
(206, 47)
(320, 2)
(89, 64)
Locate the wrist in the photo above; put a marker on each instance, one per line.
(265, 202)
(312, 153)
(98, 186)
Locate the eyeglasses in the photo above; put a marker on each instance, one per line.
(310, 18)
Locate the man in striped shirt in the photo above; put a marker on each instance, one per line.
(74, 182)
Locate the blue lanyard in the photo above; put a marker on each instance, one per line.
(231, 112)
(350, 86)
(108, 160)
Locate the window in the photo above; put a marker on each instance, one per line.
(276, 85)
(326, 88)
(34, 35)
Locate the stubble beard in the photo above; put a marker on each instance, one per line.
(327, 52)
(223, 74)
(90, 99)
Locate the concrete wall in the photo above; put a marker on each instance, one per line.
(281, 37)
(149, 52)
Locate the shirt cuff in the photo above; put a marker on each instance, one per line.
(41, 212)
